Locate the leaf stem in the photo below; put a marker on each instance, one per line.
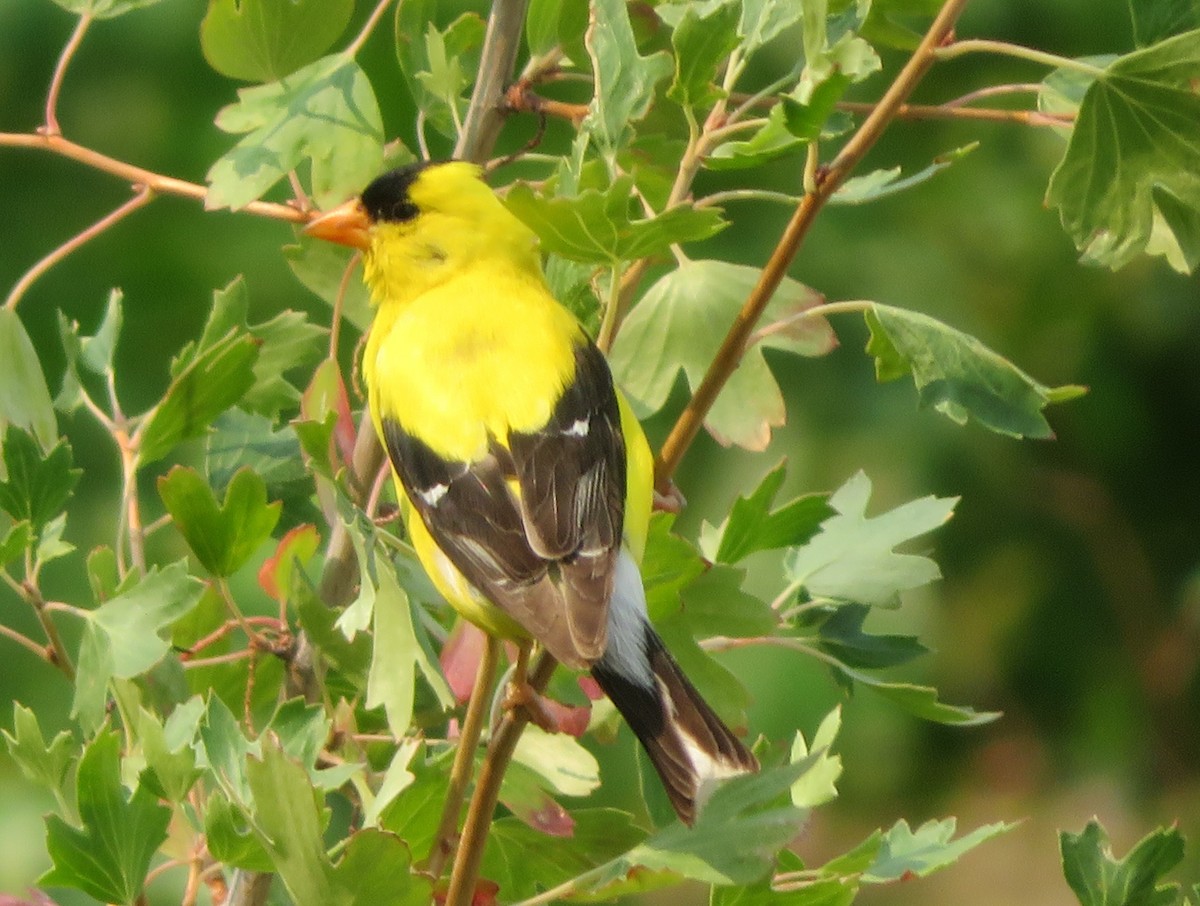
(826, 180)
(360, 39)
(487, 791)
(141, 199)
(60, 71)
(464, 757)
(952, 111)
(982, 45)
(131, 507)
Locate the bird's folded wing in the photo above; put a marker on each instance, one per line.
(543, 552)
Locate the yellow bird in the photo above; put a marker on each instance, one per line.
(527, 479)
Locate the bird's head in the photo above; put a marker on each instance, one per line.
(417, 224)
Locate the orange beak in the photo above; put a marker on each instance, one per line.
(347, 224)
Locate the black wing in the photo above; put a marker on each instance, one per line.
(545, 556)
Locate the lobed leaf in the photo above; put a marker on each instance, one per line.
(1134, 156)
(595, 226)
(852, 558)
(37, 486)
(46, 764)
(1097, 878)
(108, 855)
(959, 376)
(904, 853)
(701, 41)
(671, 330)
(323, 113)
(265, 40)
(752, 525)
(1159, 20)
(222, 536)
(624, 81)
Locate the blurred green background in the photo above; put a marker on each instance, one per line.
(1072, 593)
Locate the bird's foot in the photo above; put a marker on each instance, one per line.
(520, 695)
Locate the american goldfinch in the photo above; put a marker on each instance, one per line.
(526, 476)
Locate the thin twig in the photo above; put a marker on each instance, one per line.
(360, 39)
(953, 112)
(142, 198)
(827, 181)
(57, 651)
(487, 791)
(980, 45)
(994, 91)
(50, 126)
(43, 652)
(131, 505)
(464, 757)
(138, 176)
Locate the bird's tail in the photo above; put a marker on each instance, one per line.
(688, 744)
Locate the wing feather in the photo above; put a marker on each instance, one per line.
(545, 552)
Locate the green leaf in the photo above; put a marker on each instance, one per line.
(753, 526)
(352, 658)
(763, 20)
(207, 381)
(288, 341)
(772, 141)
(108, 856)
(325, 113)
(884, 183)
(241, 440)
(715, 604)
(44, 764)
(103, 9)
(289, 823)
(121, 637)
(17, 541)
(922, 701)
(265, 40)
(679, 325)
(559, 760)
(225, 750)
(669, 564)
(734, 841)
(436, 84)
(228, 836)
(1137, 135)
(701, 42)
(50, 545)
(852, 557)
(524, 862)
(170, 759)
(831, 47)
(37, 486)
(321, 267)
(817, 785)
(596, 226)
(1156, 20)
(841, 635)
(94, 353)
(959, 376)
(1099, 879)
(624, 80)
(397, 655)
(223, 537)
(24, 397)
(905, 853)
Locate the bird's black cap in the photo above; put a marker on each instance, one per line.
(387, 200)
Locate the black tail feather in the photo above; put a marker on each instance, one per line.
(686, 742)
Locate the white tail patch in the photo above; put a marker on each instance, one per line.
(626, 652)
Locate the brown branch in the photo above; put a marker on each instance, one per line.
(487, 792)
(464, 757)
(826, 182)
(520, 98)
(138, 176)
(45, 652)
(57, 651)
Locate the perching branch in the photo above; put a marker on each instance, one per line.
(826, 182)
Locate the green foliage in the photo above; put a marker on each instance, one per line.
(265, 40)
(1133, 156)
(1098, 878)
(303, 726)
(108, 854)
